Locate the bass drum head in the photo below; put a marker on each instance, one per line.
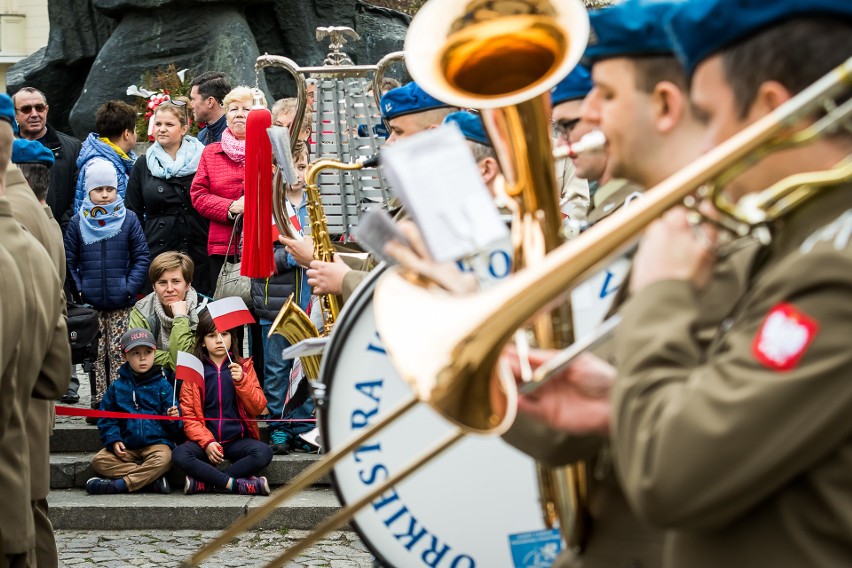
(476, 504)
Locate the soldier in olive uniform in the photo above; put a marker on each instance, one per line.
(42, 366)
(640, 102)
(741, 449)
(38, 220)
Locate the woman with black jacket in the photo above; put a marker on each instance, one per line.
(158, 192)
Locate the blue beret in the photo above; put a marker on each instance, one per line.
(471, 126)
(634, 27)
(31, 152)
(576, 85)
(408, 99)
(700, 29)
(7, 111)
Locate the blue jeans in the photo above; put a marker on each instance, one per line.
(277, 383)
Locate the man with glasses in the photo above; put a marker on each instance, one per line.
(31, 110)
(605, 194)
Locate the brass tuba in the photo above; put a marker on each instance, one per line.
(468, 62)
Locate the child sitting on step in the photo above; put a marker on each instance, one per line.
(137, 452)
(230, 399)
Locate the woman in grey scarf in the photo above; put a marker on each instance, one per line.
(170, 312)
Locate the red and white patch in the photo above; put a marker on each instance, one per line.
(784, 337)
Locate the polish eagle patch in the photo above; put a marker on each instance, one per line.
(784, 337)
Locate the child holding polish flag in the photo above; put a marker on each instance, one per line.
(222, 387)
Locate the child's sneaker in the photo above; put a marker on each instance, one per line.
(302, 446)
(194, 486)
(99, 486)
(279, 441)
(257, 486)
(161, 486)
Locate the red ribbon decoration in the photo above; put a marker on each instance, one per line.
(257, 261)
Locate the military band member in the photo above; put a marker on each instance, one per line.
(42, 365)
(38, 220)
(408, 110)
(741, 449)
(640, 102)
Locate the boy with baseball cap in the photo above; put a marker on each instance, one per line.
(137, 451)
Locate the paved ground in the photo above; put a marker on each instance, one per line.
(117, 549)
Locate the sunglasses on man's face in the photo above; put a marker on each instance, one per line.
(27, 109)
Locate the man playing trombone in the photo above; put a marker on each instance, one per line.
(740, 448)
(640, 102)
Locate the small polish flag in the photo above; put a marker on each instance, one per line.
(229, 312)
(189, 368)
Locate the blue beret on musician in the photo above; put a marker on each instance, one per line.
(7, 111)
(575, 86)
(701, 28)
(634, 27)
(31, 152)
(470, 125)
(408, 99)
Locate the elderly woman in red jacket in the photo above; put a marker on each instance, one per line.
(217, 190)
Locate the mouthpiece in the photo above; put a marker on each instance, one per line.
(591, 142)
(370, 162)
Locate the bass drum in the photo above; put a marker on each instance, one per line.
(477, 504)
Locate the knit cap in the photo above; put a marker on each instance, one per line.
(100, 173)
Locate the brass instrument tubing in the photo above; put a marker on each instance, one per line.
(350, 510)
(297, 484)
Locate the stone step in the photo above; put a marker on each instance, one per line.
(73, 509)
(77, 436)
(72, 470)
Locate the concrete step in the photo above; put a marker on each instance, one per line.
(73, 509)
(77, 436)
(72, 470)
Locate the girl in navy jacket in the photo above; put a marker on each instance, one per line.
(107, 257)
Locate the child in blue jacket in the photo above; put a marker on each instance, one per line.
(136, 453)
(107, 258)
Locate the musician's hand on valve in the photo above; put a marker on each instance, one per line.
(301, 250)
(674, 249)
(327, 277)
(575, 400)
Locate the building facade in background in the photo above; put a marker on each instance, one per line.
(24, 28)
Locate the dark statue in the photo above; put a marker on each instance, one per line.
(98, 48)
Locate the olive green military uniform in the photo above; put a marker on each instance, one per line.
(609, 198)
(38, 220)
(745, 448)
(42, 372)
(618, 539)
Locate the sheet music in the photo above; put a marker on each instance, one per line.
(436, 177)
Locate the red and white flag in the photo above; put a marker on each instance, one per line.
(229, 312)
(189, 368)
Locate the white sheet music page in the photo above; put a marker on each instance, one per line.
(436, 177)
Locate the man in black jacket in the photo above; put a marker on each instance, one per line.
(31, 113)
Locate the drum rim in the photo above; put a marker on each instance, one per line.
(353, 309)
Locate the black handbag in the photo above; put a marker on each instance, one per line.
(83, 333)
